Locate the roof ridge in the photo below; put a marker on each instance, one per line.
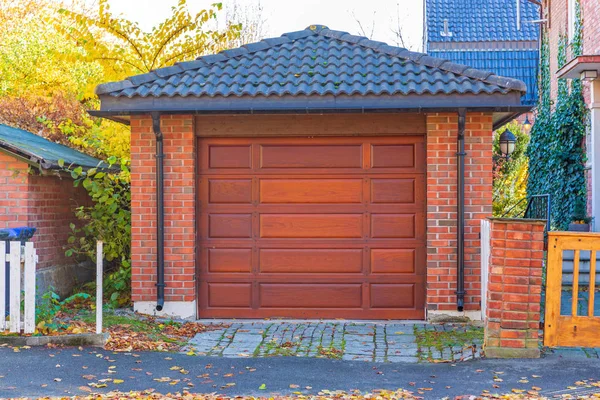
(312, 30)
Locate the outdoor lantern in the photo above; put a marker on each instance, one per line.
(527, 124)
(507, 143)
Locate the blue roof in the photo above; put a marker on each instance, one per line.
(42, 151)
(518, 64)
(313, 62)
(481, 20)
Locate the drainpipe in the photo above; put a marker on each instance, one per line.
(160, 214)
(460, 215)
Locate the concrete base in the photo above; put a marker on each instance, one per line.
(453, 316)
(63, 278)
(175, 309)
(83, 339)
(505, 352)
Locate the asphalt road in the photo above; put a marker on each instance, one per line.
(62, 372)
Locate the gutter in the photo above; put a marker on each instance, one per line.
(160, 214)
(460, 214)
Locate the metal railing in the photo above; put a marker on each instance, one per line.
(539, 206)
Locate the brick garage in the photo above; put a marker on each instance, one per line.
(341, 144)
(34, 194)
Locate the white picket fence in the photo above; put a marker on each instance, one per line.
(485, 262)
(21, 265)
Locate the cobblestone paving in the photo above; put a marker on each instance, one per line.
(440, 351)
(357, 341)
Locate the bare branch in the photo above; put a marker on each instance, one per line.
(362, 31)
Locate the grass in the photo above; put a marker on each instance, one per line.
(431, 342)
(110, 320)
(273, 348)
(150, 328)
(331, 352)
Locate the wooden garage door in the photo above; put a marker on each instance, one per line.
(312, 227)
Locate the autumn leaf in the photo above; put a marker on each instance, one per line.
(262, 387)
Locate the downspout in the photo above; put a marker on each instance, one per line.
(160, 214)
(460, 215)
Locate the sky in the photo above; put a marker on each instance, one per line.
(378, 17)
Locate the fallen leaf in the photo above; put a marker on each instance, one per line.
(85, 389)
(57, 380)
(118, 381)
(292, 386)
(262, 387)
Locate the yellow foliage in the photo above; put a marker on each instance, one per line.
(124, 49)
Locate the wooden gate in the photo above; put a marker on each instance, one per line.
(572, 306)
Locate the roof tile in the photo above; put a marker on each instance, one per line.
(316, 61)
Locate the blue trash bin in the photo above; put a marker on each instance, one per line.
(22, 234)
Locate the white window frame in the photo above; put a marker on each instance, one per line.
(571, 19)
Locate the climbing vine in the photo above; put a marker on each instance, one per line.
(556, 153)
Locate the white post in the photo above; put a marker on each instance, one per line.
(15, 286)
(2, 285)
(595, 151)
(99, 257)
(485, 261)
(29, 283)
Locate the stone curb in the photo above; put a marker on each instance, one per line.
(82, 339)
(503, 352)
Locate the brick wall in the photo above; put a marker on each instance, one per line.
(442, 132)
(179, 182)
(514, 288)
(13, 181)
(43, 202)
(51, 201)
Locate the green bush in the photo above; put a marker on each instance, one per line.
(107, 219)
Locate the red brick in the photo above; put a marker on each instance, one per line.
(441, 201)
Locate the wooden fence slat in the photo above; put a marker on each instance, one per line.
(29, 276)
(15, 286)
(592, 294)
(553, 288)
(575, 298)
(2, 285)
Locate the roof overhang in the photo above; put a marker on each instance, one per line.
(504, 107)
(580, 65)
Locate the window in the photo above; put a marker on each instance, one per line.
(571, 19)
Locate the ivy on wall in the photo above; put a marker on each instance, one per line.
(556, 154)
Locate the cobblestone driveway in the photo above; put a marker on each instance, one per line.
(360, 341)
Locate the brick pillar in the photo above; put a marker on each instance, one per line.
(514, 288)
(180, 215)
(442, 135)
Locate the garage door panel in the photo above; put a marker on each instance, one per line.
(310, 260)
(229, 156)
(303, 191)
(311, 156)
(297, 226)
(393, 261)
(289, 295)
(399, 226)
(396, 191)
(230, 226)
(229, 260)
(393, 156)
(390, 295)
(230, 295)
(229, 191)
